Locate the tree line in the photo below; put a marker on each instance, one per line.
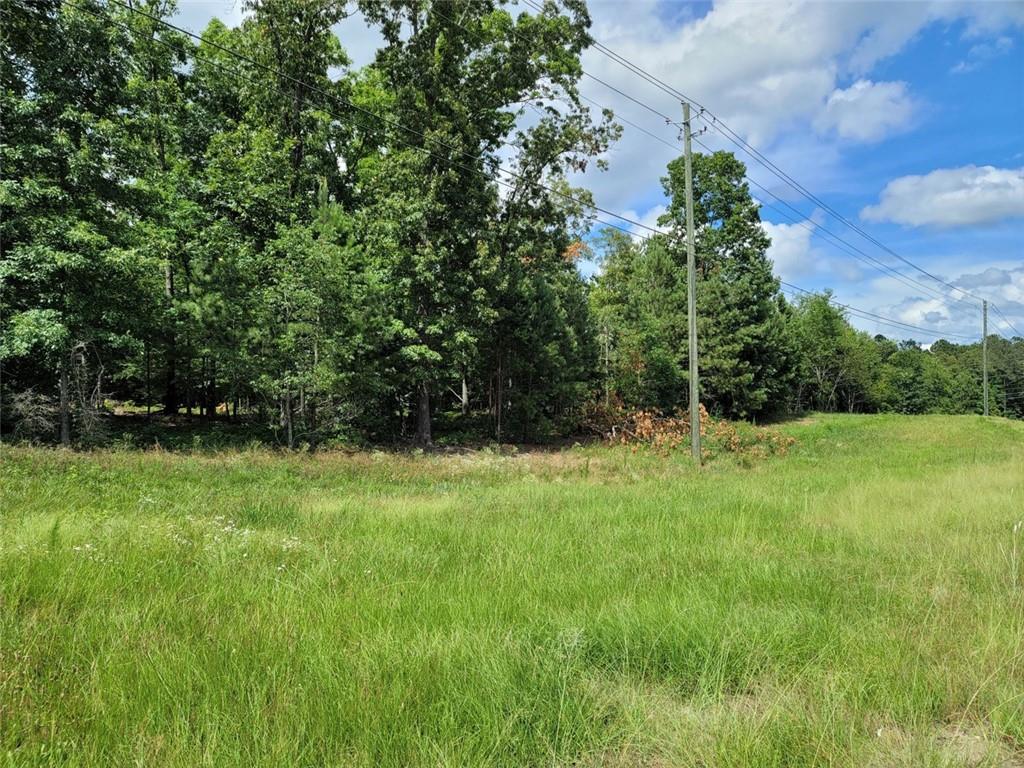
(247, 226)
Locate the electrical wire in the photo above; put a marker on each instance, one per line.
(802, 219)
(864, 314)
(393, 123)
(1006, 320)
(719, 125)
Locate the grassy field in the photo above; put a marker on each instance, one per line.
(857, 602)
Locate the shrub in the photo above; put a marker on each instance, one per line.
(668, 433)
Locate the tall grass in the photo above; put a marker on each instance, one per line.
(852, 603)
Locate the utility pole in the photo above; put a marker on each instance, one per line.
(691, 293)
(984, 352)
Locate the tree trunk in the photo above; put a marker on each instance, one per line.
(499, 399)
(188, 387)
(171, 400)
(607, 380)
(312, 399)
(288, 420)
(312, 425)
(65, 405)
(423, 436)
(465, 396)
(211, 389)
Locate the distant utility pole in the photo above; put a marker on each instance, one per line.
(984, 352)
(691, 293)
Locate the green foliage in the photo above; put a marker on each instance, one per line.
(915, 381)
(839, 366)
(745, 355)
(247, 226)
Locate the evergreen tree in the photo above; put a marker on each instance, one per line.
(746, 359)
(453, 89)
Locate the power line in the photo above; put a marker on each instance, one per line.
(865, 314)
(803, 220)
(720, 125)
(842, 244)
(393, 123)
(729, 133)
(1006, 320)
(669, 121)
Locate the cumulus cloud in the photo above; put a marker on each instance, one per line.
(791, 251)
(1001, 282)
(986, 278)
(648, 220)
(952, 197)
(924, 312)
(1004, 286)
(764, 65)
(777, 73)
(867, 111)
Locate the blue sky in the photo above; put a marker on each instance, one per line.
(907, 118)
(904, 117)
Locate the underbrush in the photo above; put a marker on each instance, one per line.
(666, 434)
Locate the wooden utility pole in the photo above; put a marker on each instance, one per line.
(984, 353)
(691, 292)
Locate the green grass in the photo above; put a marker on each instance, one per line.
(853, 603)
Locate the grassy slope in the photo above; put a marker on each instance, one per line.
(852, 603)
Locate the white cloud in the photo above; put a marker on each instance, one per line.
(981, 53)
(964, 317)
(987, 278)
(927, 313)
(791, 251)
(952, 315)
(648, 220)
(952, 197)
(867, 111)
(763, 66)
(1005, 288)
(777, 73)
